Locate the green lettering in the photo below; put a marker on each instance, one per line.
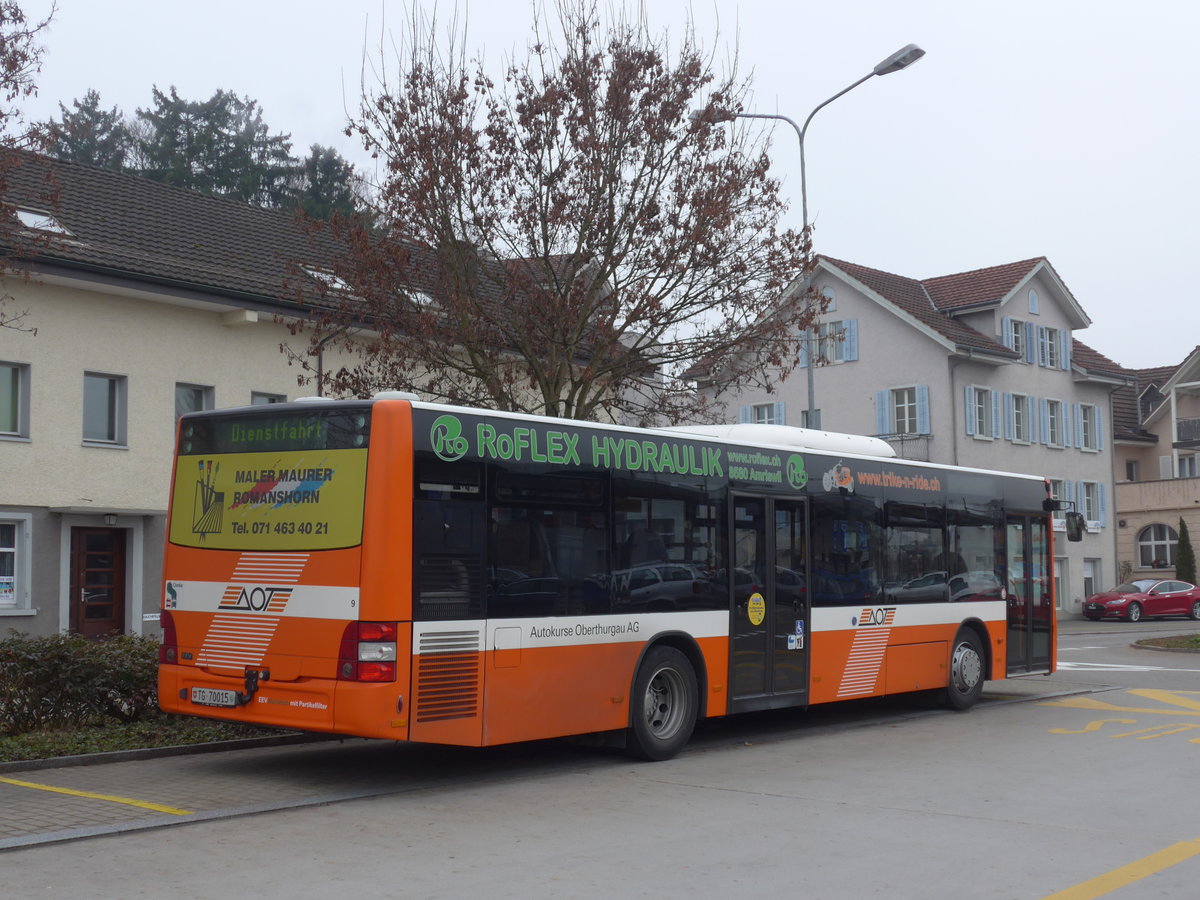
(485, 439)
(571, 452)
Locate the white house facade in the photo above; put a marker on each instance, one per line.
(977, 369)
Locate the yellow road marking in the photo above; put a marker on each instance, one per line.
(141, 804)
(1091, 703)
(1126, 875)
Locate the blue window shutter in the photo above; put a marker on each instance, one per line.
(1102, 502)
(1064, 338)
(970, 416)
(1006, 332)
(1099, 417)
(1030, 343)
(779, 419)
(1008, 417)
(744, 415)
(1041, 342)
(997, 421)
(1078, 408)
(923, 424)
(1031, 419)
(1068, 493)
(850, 350)
(1045, 411)
(1066, 424)
(881, 413)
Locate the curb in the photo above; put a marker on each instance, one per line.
(90, 759)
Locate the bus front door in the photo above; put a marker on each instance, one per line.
(770, 616)
(1029, 589)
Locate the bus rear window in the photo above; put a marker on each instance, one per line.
(286, 480)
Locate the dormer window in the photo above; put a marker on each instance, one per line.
(39, 220)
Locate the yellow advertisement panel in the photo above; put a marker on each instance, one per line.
(283, 500)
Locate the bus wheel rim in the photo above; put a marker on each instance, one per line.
(966, 668)
(664, 703)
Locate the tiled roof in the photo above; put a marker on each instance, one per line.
(1095, 361)
(123, 224)
(989, 285)
(911, 296)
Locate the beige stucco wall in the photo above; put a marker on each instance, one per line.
(1145, 503)
(153, 345)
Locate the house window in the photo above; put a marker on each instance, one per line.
(104, 408)
(1131, 470)
(1187, 466)
(1016, 335)
(1033, 302)
(261, 398)
(14, 400)
(39, 220)
(832, 342)
(766, 414)
(1020, 418)
(1057, 493)
(830, 299)
(816, 419)
(14, 562)
(1090, 497)
(1090, 568)
(1054, 423)
(192, 398)
(1048, 347)
(983, 412)
(1156, 547)
(1089, 427)
(904, 410)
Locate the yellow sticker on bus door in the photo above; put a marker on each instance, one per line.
(289, 500)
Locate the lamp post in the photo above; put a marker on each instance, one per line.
(901, 59)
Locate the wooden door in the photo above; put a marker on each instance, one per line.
(97, 581)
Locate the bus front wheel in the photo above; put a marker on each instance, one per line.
(665, 703)
(966, 671)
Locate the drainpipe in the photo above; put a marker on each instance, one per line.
(953, 365)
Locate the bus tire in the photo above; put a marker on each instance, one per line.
(665, 703)
(967, 671)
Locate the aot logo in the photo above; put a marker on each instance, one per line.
(255, 598)
(447, 438)
(874, 616)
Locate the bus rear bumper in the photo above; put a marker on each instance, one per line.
(312, 704)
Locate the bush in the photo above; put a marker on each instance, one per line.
(69, 680)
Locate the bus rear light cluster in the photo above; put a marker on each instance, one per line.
(168, 650)
(368, 652)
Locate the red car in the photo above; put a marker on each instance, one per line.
(1145, 597)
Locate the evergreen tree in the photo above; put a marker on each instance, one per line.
(89, 134)
(1185, 555)
(327, 184)
(219, 146)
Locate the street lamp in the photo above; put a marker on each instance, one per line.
(901, 59)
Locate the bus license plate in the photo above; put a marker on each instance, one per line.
(214, 697)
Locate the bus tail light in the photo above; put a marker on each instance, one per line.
(168, 650)
(368, 652)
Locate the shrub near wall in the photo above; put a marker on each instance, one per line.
(67, 680)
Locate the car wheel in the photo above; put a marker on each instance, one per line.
(665, 704)
(1134, 613)
(966, 671)
(1196, 610)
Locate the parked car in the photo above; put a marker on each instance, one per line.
(1154, 597)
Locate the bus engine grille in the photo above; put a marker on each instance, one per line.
(448, 676)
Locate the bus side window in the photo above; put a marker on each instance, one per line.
(449, 563)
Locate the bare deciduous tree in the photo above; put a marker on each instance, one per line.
(570, 239)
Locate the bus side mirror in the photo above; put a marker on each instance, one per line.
(1076, 524)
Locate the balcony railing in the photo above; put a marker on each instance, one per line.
(1188, 431)
(909, 446)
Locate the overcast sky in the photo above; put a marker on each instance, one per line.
(1057, 128)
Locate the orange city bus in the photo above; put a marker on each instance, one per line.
(391, 568)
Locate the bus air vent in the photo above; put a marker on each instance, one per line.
(448, 676)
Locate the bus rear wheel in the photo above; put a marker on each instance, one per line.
(966, 671)
(665, 703)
